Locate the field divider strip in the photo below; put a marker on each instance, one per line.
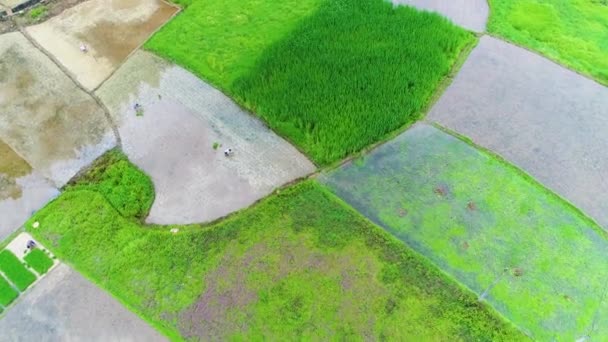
(64, 70)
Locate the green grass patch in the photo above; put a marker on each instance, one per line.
(344, 77)
(7, 293)
(298, 265)
(532, 256)
(39, 261)
(15, 271)
(127, 189)
(572, 32)
(38, 12)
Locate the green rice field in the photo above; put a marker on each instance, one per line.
(7, 293)
(15, 271)
(221, 41)
(533, 257)
(334, 79)
(39, 261)
(572, 32)
(315, 270)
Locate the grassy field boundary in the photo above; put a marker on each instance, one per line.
(597, 227)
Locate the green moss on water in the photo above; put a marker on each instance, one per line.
(522, 249)
(298, 265)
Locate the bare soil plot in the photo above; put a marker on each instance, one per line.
(470, 14)
(523, 250)
(547, 120)
(173, 137)
(46, 119)
(64, 306)
(22, 190)
(110, 29)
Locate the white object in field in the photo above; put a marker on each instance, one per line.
(83, 48)
(174, 230)
(36, 224)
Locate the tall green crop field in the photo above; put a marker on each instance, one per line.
(335, 78)
(351, 74)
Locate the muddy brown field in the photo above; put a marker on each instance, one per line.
(109, 29)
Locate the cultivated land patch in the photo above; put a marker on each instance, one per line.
(179, 137)
(523, 250)
(470, 14)
(572, 32)
(46, 119)
(22, 190)
(64, 306)
(110, 30)
(547, 120)
(343, 78)
(298, 265)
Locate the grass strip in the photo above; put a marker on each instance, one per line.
(7, 293)
(15, 271)
(572, 32)
(315, 269)
(39, 261)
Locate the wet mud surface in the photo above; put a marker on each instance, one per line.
(110, 29)
(547, 120)
(22, 190)
(64, 306)
(53, 125)
(172, 138)
(470, 14)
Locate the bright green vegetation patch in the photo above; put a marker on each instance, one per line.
(15, 271)
(344, 77)
(572, 32)
(39, 261)
(529, 254)
(127, 189)
(221, 40)
(7, 293)
(38, 12)
(298, 265)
